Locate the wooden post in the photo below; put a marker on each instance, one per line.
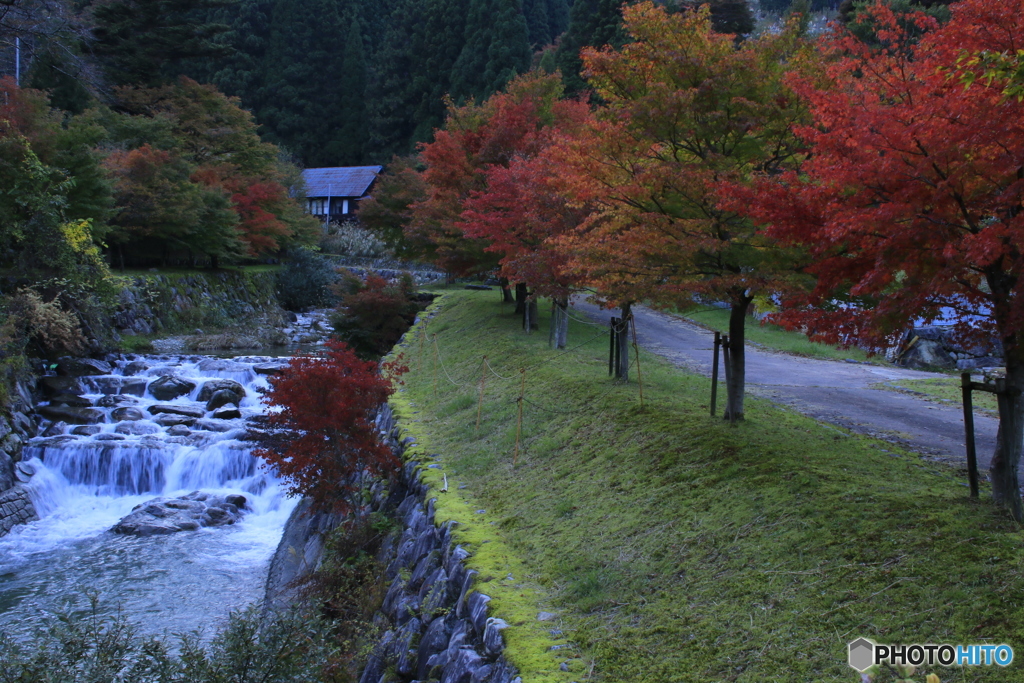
(972, 456)
(636, 349)
(519, 421)
(618, 322)
(714, 373)
(611, 347)
(483, 379)
(728, 373)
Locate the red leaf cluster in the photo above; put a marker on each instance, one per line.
(319, 432)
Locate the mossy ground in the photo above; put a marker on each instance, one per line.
(675, 547)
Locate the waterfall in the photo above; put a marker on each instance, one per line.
(88, 476)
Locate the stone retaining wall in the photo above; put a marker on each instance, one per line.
(15, 508)
(435, 626)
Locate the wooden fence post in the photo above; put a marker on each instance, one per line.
(714, 373)
(611, 347)
(636, 349)
(972, 456)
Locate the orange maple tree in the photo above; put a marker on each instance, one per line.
(911, 201)
(685, 113)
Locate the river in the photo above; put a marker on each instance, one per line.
(86, 482)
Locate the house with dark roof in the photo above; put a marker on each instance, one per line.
(333, 193)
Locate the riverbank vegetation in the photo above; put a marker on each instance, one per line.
(678, 547)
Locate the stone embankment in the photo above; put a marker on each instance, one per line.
(435, 625)
(16, 428)
(936, 346)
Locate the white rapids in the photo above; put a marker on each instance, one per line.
(86, 482)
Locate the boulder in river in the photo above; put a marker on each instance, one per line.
(135, 367)
(75, 416)
(169, 387)
(215, 386)
(77, 367)
(214, 425)
(115, 385)
(126, 413)
(136, 428)
(221, 398)
(114, 400)
(70, 400)
(86, 430)
(175, 409)
(162, 516)
(228, 412)
(52, 384)
(268, 368)
(221, 365)
(169, 420)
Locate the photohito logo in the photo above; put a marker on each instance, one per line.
(863, 654)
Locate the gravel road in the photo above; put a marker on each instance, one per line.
(836, 392)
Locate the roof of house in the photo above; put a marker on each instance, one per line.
(339, 181)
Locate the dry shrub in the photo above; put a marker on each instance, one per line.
(44, 325)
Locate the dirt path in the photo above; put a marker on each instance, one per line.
(832, 391)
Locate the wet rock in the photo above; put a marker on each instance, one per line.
(118, 400)
(52, 384)
(109, 437)
(221, 365)
(70, 400)
(77, 416)
(162, 516)
(175, 409)
(433, 642)
(23, 471)
(221, 398)
(179, 430)
(268, 368)
(12, 445)
(477, 604)
(228, 412)
(126, 413)
(86, 430)
(213, 425)
(169, 387)
(7, 472)
(136, 428)
(214, 386)
(135, 367)
(169, 420)
(77, 367)
(55, 429)
(115, 385)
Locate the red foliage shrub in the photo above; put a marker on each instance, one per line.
(319, 433)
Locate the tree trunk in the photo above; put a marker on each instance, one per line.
(623, 341)
(506, 291)
(214, 261)
(1006, 459)
(521, 295)
(735, 383)
(561, 322)
(532, 319)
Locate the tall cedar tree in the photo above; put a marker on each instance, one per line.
(911, 199)
(495, 50)
(686, 112)
(594, 23)
(146, 42)
(322, 438)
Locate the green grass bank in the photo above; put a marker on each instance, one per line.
(675, 547)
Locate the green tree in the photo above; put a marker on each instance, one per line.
(349, 146)
(496, 49)
(593, 23)
(146, 42)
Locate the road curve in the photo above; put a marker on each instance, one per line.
(836, 392)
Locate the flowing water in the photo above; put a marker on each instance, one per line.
(85, 483)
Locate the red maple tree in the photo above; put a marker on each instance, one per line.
(319, 433)
(911, 199)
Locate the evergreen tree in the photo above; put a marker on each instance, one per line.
(300, 104)
(147, 42)
(558, 17)
(591, 22)
(538, 23)
(496, 49)
(347, 148)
